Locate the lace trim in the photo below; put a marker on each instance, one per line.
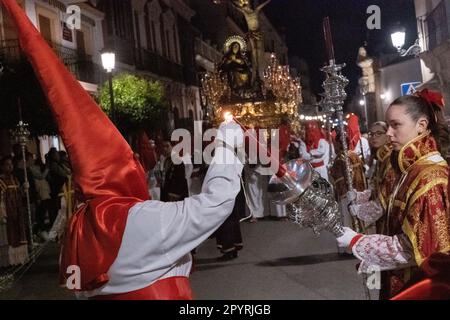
(379, 252)
(363, 196)
(368, 212)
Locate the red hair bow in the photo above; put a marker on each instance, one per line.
(432, 97)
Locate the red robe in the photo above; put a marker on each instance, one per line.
(285, 140)
(146, 152)
(313, 136)
(353, 131)
(436, 285)
(12, 197)
(418, 207)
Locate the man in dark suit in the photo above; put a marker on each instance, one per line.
(174, 185)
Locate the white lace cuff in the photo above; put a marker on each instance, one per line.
(379, 252)
(363, 196)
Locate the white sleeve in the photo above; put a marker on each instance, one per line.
(321, 150)
(366, 148)
(327, 150)
(172, 229)
(188, 166)
(304, 154)
(379, 252)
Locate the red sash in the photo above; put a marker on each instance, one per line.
(173, 288)
(317, 164)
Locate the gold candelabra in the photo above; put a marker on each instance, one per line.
(282, 96)
(285, 88)
(214, 87)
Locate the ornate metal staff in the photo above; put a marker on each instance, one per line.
(333, 102)
(21, 134)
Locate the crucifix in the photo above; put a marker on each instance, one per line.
(254, 34)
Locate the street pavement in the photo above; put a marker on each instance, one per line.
(279, 261)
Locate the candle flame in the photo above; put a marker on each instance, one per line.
(228, 116)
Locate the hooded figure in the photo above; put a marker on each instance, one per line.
(123, 245)
(357, 143)
(317, 150)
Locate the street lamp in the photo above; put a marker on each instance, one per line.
(109, 63)
(398, 41)
(363, 103)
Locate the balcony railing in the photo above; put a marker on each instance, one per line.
(437, 25)
(207, 51)
(10, 51)
(81, 66)
(124, 49)
(159, 65)
(87, 71)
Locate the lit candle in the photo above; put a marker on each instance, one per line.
(328, 39)
(282, 171)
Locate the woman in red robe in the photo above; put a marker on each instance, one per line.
(416, 224)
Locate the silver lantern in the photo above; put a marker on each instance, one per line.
(311, 203)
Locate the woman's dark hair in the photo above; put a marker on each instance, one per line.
(417, 107)
(51, 152)
(381, 124)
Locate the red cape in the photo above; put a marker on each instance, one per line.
(436, 285)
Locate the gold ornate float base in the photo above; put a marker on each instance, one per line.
(262, 114)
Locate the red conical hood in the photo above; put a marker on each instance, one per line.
(313, 135)
(353, 132)
(103, 164)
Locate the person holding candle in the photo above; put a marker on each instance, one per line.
(119, 244)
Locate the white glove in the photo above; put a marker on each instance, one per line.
(351, 196)
(231, 133)
(353, 209)
(344, 240)
(359, 197)
(369, 211)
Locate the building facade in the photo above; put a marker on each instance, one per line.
(172, 41)
(78, 48)
(433, 21)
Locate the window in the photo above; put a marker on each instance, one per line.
(148, 32)
(81, 46)
(175, 42)
(119, 18)
(153, 34)
(45, 28)
(168, 52)
(163, 39)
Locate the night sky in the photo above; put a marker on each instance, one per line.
(301, 22)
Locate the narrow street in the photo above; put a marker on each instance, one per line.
(279, 261)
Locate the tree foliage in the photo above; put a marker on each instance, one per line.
(138, 102)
